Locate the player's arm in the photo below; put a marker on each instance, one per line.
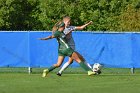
(83, 26)
(47, 38)
(55, 35)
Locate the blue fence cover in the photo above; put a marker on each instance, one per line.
(23, 49)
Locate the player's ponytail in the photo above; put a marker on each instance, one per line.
(57, 26)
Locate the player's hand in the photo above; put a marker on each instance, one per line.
(90, 22)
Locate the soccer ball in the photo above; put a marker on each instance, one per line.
(97, 68)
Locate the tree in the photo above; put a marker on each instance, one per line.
(19, 15)
(130, 19)
(107, 15)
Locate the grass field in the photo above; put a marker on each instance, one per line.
(69, 83)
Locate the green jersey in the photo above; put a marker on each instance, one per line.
(61, 40)
(64, 48)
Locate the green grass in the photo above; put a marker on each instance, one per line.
(69, 83)
(70, 70)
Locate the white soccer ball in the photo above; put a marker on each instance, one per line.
(97, 68)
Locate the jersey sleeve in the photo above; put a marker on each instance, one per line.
(56, 34)
(70, 28)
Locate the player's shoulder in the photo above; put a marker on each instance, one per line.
(71, 27)
(57, 33)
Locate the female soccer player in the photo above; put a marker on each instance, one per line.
(65, 50)
(70, 41)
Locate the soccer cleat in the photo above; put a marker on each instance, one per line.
(59, 74)
(45, 72)
(91, 73)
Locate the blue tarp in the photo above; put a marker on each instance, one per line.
(23, 49)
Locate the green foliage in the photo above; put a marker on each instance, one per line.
(107, 15)
(130, 19)
(19, 15)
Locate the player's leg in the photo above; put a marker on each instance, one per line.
(81, 57)
(77, 57)
(70, 61)
(58, 64)
(89, 65)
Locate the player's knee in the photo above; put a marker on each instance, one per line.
(57, 65)
(70, 62)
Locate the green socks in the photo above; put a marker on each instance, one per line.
(84, 66)
(51, 68)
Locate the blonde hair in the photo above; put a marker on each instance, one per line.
(56, 26)
(59, 23)
(66, 17)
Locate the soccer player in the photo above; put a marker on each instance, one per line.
(69, 39)
(65, 50)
